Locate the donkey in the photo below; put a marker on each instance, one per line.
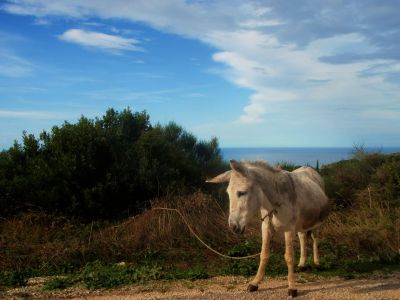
(286, 201)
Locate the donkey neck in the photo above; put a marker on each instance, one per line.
(266, 179)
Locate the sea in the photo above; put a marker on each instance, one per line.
(297, 155)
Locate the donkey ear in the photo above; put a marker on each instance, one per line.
(224, 177)
(238, 167)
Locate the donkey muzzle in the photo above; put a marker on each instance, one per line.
(237, 228)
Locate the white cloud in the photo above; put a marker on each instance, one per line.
(41, 22)
(12, 65)
(43, 8)
(282, 72)
(29, 114)
(254, 24)
(107, 42)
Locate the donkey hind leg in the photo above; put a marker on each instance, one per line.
(303, 249)
(315, 248)
(266, 229)
(289, 258)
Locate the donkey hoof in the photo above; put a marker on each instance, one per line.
(318, 267)
(252, 288)
(301, 268)
(292, 293)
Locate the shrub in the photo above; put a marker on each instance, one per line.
(344, 179)
(103, 168)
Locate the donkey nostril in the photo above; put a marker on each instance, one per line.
(234, 228)
(237, 229)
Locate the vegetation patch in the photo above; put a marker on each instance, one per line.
(81, 195)
(58, 283)
(100, 275)
(13, 278)
(104, 168)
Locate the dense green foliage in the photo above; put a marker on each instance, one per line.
(365, 177)
(109, 167)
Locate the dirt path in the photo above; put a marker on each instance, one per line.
(377, 287)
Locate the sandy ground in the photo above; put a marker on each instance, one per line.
(228, 287)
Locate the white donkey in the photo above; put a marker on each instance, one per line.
(286, 201)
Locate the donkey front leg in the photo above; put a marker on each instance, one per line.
(289, 257)
(266, 230)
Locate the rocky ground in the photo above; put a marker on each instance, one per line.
(228, 287)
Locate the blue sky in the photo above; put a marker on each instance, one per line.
(252, 73)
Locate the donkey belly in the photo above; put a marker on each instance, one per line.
(312, 205)
(312, 214)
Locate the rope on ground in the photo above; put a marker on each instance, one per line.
(200, 240)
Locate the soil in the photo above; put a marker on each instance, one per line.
(227, 287)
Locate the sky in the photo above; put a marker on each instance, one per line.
(251, 73)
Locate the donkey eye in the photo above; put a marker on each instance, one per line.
(241, 193)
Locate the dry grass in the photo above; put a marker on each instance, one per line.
(165, 230)
(44, 241)
(37, 239)
(368, 227)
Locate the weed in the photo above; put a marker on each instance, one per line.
(58, 283)
(151, 256)
(277, 265)
(14, 278)
(243, 268)
(99, 275)
(243, 249)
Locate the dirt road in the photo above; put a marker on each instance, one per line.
(375, 287)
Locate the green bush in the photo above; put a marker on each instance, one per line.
(373, 172)
(103, 168)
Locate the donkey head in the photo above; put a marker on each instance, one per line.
(243, 202)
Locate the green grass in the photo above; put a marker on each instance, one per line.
(157, 265)
(100, 275)
(334, 262)
(58, 283)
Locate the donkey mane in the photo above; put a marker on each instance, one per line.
(261, 164)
